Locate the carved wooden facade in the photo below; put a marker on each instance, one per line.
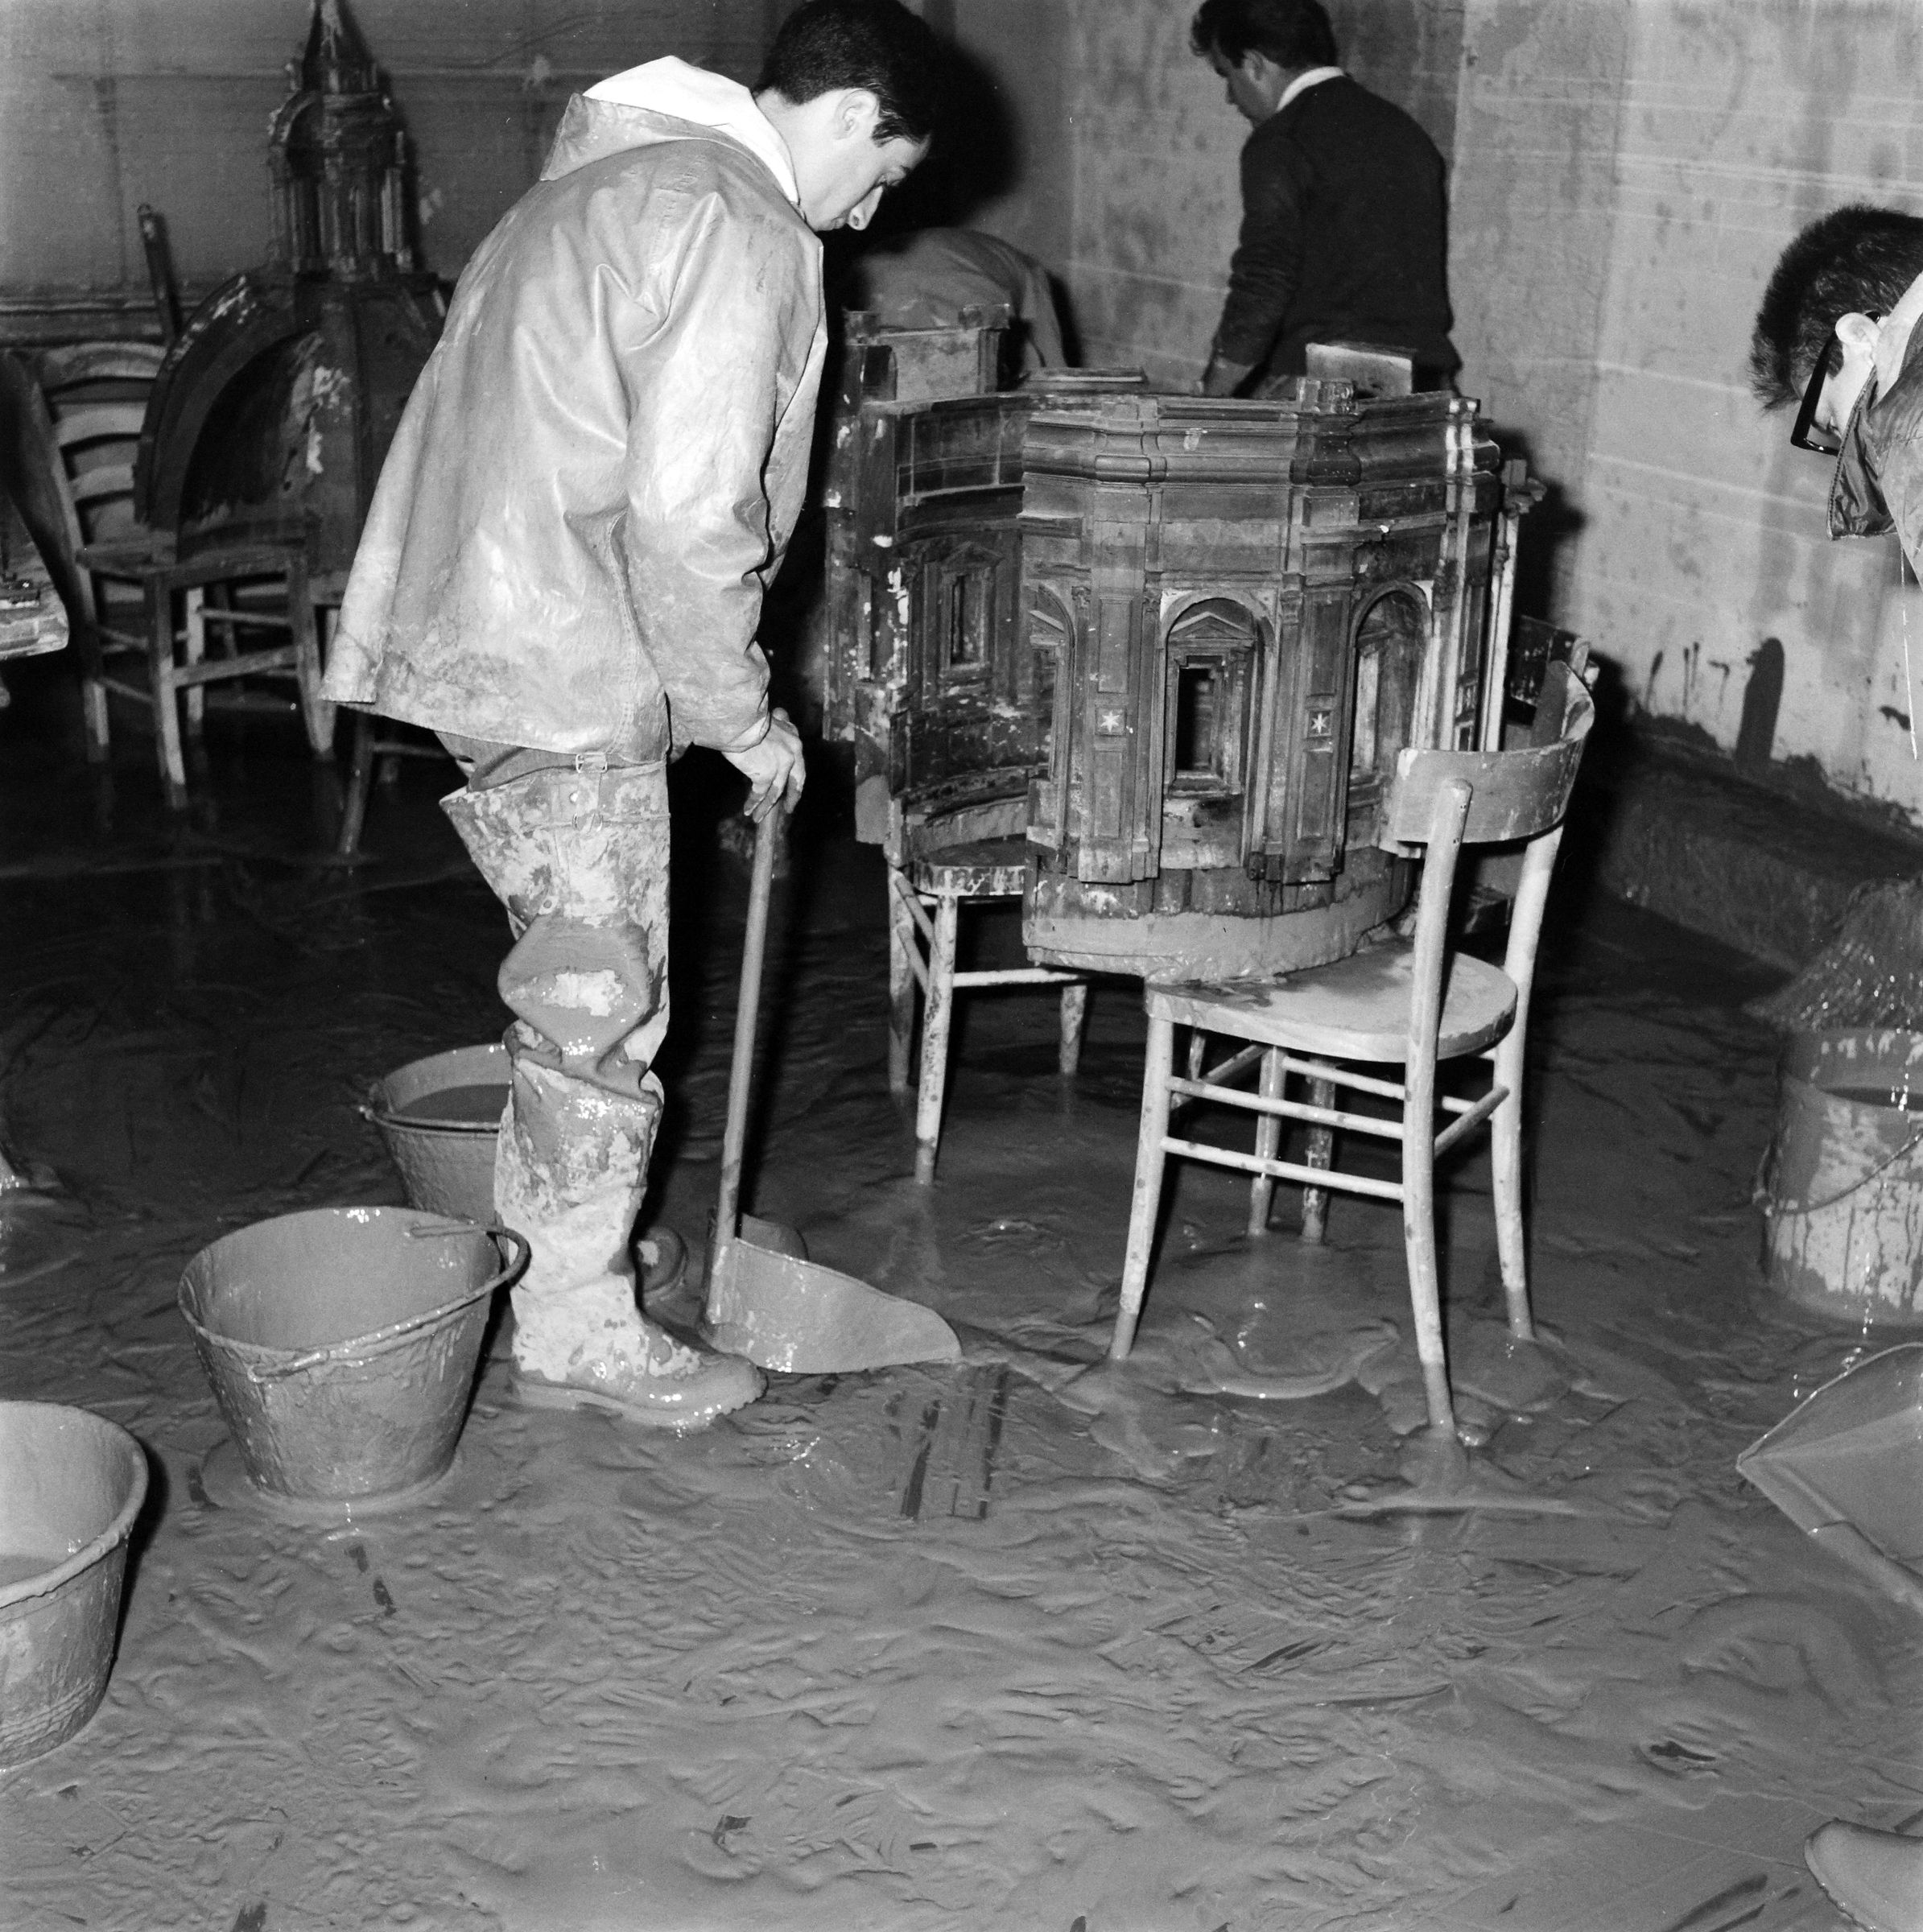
(929, 677)
(1235, 614)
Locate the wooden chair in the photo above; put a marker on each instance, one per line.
(925, 901)
(1407, 1004)
(379, 744)
(77, 414)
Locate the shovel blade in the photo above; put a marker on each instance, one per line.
(1853, 1453)
(798, 1318)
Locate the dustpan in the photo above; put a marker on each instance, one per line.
(765, 1299)
(1847, 1465)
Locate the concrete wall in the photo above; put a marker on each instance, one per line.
(1626, 174)
(1128, 186)
(105, 104)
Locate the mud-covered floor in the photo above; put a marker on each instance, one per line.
(997, 1646)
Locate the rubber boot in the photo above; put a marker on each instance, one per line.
(581, 859)
(1874, 1878)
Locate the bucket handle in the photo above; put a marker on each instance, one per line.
(1764, 1193)
(505, 1276)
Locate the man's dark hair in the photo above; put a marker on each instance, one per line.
(1854, 261)
(1292, 33)
(877, 44)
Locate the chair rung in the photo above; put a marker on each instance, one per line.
(1236, 1062)
(1472, 1119)
(1285, 1170)
(1017, 976)
(262, 620)
(1343, 1076)
(251, 701)
(283, 658)
(1282, 1109)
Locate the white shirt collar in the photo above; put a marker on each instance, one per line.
(1302, 83)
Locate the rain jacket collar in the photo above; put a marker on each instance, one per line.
(1888, 412)
(675, 91)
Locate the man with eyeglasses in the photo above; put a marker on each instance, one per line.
(1835, 330)
(1838, 329)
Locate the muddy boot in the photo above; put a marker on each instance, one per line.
(580, 859)
(1874, 1878)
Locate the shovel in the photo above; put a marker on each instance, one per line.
(766, 1300)
(1846, 1466)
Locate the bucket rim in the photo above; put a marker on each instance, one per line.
(45, 1582)
(382, 1109)
(260, 1364)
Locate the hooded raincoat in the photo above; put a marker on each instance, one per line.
(604, 456)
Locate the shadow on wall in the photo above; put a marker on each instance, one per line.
(1548, 532)
(976, 160)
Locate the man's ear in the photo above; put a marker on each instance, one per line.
(1855, 331)
(856, 113)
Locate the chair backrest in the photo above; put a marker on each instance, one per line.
(1512, 794)
(72, 420)
(1443, 800)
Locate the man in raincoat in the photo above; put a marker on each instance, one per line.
(1837, 330)
(561, 572)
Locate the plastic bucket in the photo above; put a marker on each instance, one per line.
(341, 1343)
(71, 1485)
(447, 1165)
(1842, 1184)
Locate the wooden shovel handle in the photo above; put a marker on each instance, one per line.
(747, 1014)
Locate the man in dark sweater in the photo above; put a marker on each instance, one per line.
(1342, 222)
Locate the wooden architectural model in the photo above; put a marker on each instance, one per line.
(929, 678)
(1235, 615)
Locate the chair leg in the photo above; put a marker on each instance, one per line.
(1268, 1140)
(1198, 1051)
(360, 779)
(936, 1016)
(902, 940)
(93, 705)
(1151, 1157)
(1075, 1017)
(1505, 1153)
(166, 694)
(1321, 1153)
(316, 713)
(1424, 1277)
(195, 647)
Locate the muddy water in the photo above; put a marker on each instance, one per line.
(476, 1106)
(1025, 1643)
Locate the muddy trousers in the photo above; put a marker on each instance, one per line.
(579, 858)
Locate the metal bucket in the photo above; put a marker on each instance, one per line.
(1842, 1184)
(341, 1343)
(71, 1485)
(446, 1165)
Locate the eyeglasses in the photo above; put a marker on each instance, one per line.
(1808, 433)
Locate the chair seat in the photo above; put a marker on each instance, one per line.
(152, 554)
(983, 868)
(1356, 1009)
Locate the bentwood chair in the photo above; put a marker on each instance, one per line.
(1396, 1009)
(194, 623)
(925, 901)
